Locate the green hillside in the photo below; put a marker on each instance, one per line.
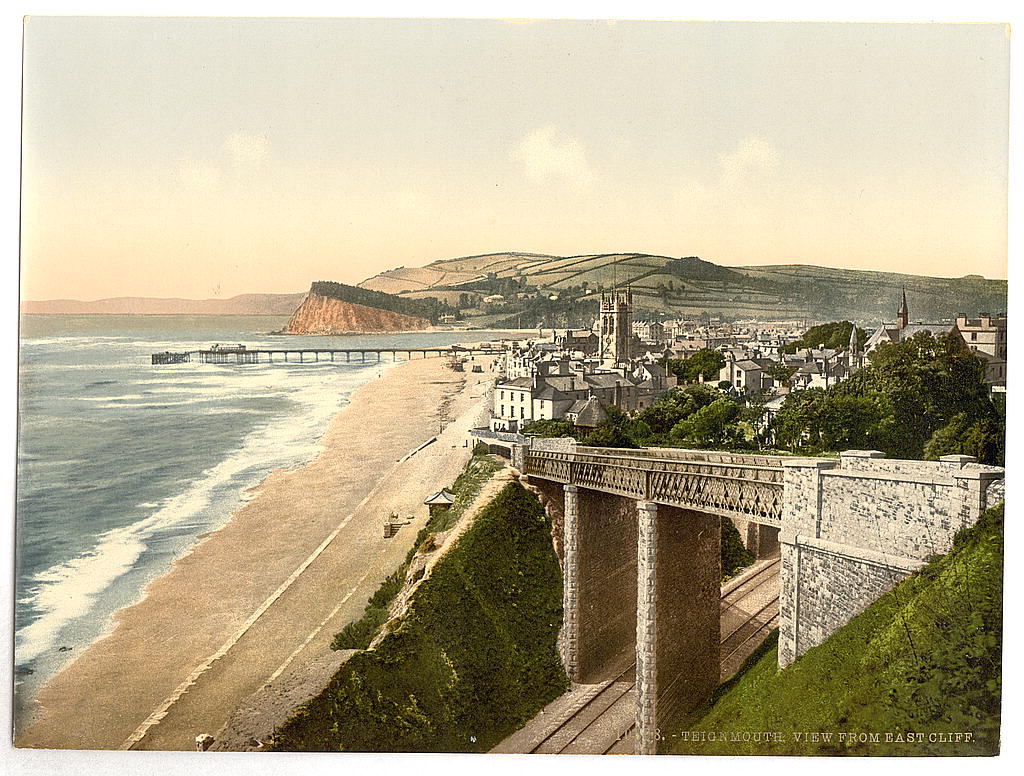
(922, 663)
(471, 661)
(687, 286)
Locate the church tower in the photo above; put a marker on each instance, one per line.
(903, 316)
(616, 325)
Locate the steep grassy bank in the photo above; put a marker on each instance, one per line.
(472, 660)
(359, 633)
(918, 667)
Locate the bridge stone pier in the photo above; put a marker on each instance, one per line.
(638, 534)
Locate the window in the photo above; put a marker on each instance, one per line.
(502, 410)
(974, 336)
(522, 412)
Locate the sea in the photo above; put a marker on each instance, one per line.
(123, 466)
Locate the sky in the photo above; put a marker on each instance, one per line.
(209, 157)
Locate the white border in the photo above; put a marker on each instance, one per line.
(30, 762)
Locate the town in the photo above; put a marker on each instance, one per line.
(576, 375)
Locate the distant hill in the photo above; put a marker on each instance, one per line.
(538, 289)
(243, 304)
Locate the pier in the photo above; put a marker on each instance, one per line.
(240, 354)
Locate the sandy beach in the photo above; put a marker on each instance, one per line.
(259, 599)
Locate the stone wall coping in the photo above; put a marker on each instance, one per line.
(810, 463)
(851, 552)
(980, 474)
(862, 454)
(958, 459)
(938, 478)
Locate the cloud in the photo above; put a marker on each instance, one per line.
(199, 176)
(550, 156)
(742, 178)
(753, 157)
(246, 148)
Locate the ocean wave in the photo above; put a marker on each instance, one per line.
(124, 397)
(67, 591)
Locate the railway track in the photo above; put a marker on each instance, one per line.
(599, 718)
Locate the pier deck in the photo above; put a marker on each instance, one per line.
(243, 355)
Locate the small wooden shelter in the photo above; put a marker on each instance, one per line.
(440, 500)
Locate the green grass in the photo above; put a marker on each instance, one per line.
(472, 660)
(925, 658)
(359, 633)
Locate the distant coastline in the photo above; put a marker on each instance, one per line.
(242, 304)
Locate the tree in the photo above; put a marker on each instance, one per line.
(711, 425)
(834, 335)
(675, 405)
(608, 436)
(984, 439)
(908, 392)
(927, 380)
(704, 362)
(781, 373)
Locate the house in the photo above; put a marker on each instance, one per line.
(586, 414)
(984, 334)
(746, 374)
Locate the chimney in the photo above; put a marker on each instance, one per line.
(986, 320)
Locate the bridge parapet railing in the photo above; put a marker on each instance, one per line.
(747, 487)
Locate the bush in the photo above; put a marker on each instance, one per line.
(735, 556)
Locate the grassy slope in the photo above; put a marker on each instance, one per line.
(359, 633)
(698, 285)
(925, 658)
(474, 658)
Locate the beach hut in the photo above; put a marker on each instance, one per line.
(440, 500)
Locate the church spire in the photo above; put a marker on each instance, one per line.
(853, 354)
(903, 316)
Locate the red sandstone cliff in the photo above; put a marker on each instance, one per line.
(323, 315)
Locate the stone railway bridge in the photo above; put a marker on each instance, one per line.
(640, 533)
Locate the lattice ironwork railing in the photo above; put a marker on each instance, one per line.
(729, 484)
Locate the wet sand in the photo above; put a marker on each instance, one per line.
(267, 592)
